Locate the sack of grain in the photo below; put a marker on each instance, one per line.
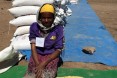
(23, 20)
(6, 53)
(16, 3)
(24, 10)
(21, 42)
(22, 30)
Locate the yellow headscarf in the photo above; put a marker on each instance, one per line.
(47, 8)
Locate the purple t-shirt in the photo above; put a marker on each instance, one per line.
(53, 41)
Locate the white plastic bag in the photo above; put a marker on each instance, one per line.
(57, 20)
(68, 12)
(6, 53)
(9, 62)
(30, 2)
(21, 42)
(22, 30)
(74, 1)
(23, 20)
(24, 10)
(5, 69)
(64, 2)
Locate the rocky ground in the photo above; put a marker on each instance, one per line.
(105, 9)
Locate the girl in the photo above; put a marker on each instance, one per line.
(46, 44)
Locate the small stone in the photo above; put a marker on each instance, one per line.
(89, 50)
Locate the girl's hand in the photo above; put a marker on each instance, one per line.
(40, 69)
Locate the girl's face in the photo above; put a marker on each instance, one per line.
(47, 19)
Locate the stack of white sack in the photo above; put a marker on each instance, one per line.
(8, 58)
(25, 13)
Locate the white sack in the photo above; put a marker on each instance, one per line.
(30, 2)
(6, 64)
(21, 42)
(24, 10)
(23, 20)
(7, 53)
(22, 30)
(29, 19)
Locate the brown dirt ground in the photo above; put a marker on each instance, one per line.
(105, 9)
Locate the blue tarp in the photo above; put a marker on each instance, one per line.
(84, 28)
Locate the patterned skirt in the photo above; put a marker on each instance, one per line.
(50, 70)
